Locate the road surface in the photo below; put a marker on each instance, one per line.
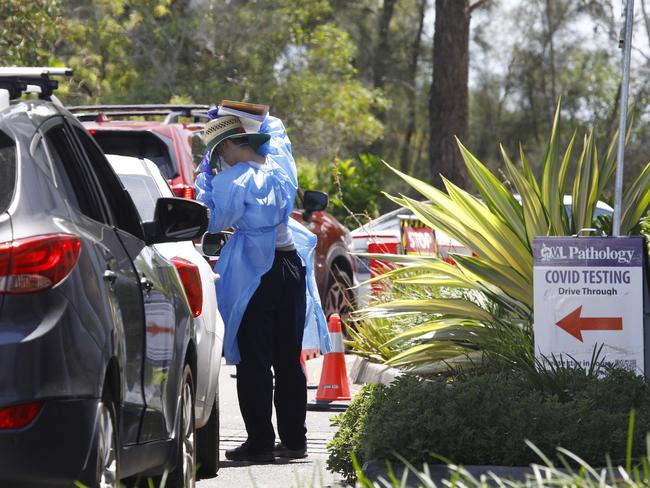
(302, 473)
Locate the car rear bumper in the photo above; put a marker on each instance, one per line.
(52, 451)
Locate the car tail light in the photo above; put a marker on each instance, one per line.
(188, 193)
(377, 266)
(191, 279)
(37, 263)
(19, 416)
(184, 191)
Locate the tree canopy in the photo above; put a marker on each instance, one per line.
(352, 78)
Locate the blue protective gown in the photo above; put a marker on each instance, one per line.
(278, 149)
(254, 199)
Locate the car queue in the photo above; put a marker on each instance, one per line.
(110, 336)
(98, 343)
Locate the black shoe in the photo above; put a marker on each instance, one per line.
(283, 451)
(245, 453)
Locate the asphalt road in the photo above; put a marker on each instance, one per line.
(302, 473)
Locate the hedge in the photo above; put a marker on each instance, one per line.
(485, 419)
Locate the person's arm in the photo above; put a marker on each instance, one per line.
(227, 198)
(279, 147)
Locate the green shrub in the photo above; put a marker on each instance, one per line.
(351, 424)
(354, 187)
(486, 419)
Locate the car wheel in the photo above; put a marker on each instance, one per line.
(207, 443)
(106, 449)
(339, 298)
(183, 475)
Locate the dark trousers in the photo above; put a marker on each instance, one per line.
(270, 335)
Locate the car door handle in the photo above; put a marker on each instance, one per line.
(146, 284)
(111, 277)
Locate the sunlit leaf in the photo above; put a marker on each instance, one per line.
(495, 195)
(636, 201)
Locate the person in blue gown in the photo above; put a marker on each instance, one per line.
(263, 293)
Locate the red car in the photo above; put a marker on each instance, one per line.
(177, 148)
(335, 267)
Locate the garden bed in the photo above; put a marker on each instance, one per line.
(486, 419)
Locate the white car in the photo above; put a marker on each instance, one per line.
(145, 185)
(383, 235)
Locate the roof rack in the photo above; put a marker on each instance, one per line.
(171, 111)
(17, 81)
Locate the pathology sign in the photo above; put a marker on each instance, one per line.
(588, 291)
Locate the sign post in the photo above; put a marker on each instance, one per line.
(588, 292)
(625, 43)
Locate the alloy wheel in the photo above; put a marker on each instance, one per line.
(106, 456)
(188, 440)
(336, 300)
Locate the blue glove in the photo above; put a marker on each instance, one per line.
(205, 166)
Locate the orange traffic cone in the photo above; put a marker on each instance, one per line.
(333, 384)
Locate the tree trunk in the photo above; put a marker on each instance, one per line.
(382, 51)
(551, 26)
(381, 62)
(448, 103)
(413, 69)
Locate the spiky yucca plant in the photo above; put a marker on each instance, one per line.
(496, 316)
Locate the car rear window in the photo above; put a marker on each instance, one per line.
(7, 170)
(144, 193)
(139, 145)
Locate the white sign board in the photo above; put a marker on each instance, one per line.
(588, 291)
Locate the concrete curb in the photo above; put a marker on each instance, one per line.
(377, 468)
(364, 371)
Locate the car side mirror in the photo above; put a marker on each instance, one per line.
(313, 201)
(212, 243)
(176, 219)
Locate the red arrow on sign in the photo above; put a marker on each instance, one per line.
(574, 324)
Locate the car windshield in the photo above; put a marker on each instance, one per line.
(7, 170)
(139, 144)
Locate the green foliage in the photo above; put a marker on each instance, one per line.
(286, 53)
(29, 31)
(369, 338)
(495, 314)
(351, 425)
(98, 47)
(486, 419)
(314, 63)
(572, 472)
(355, 188)
(326, 110)
(307, 175)
(645, 226)
(382, 339)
